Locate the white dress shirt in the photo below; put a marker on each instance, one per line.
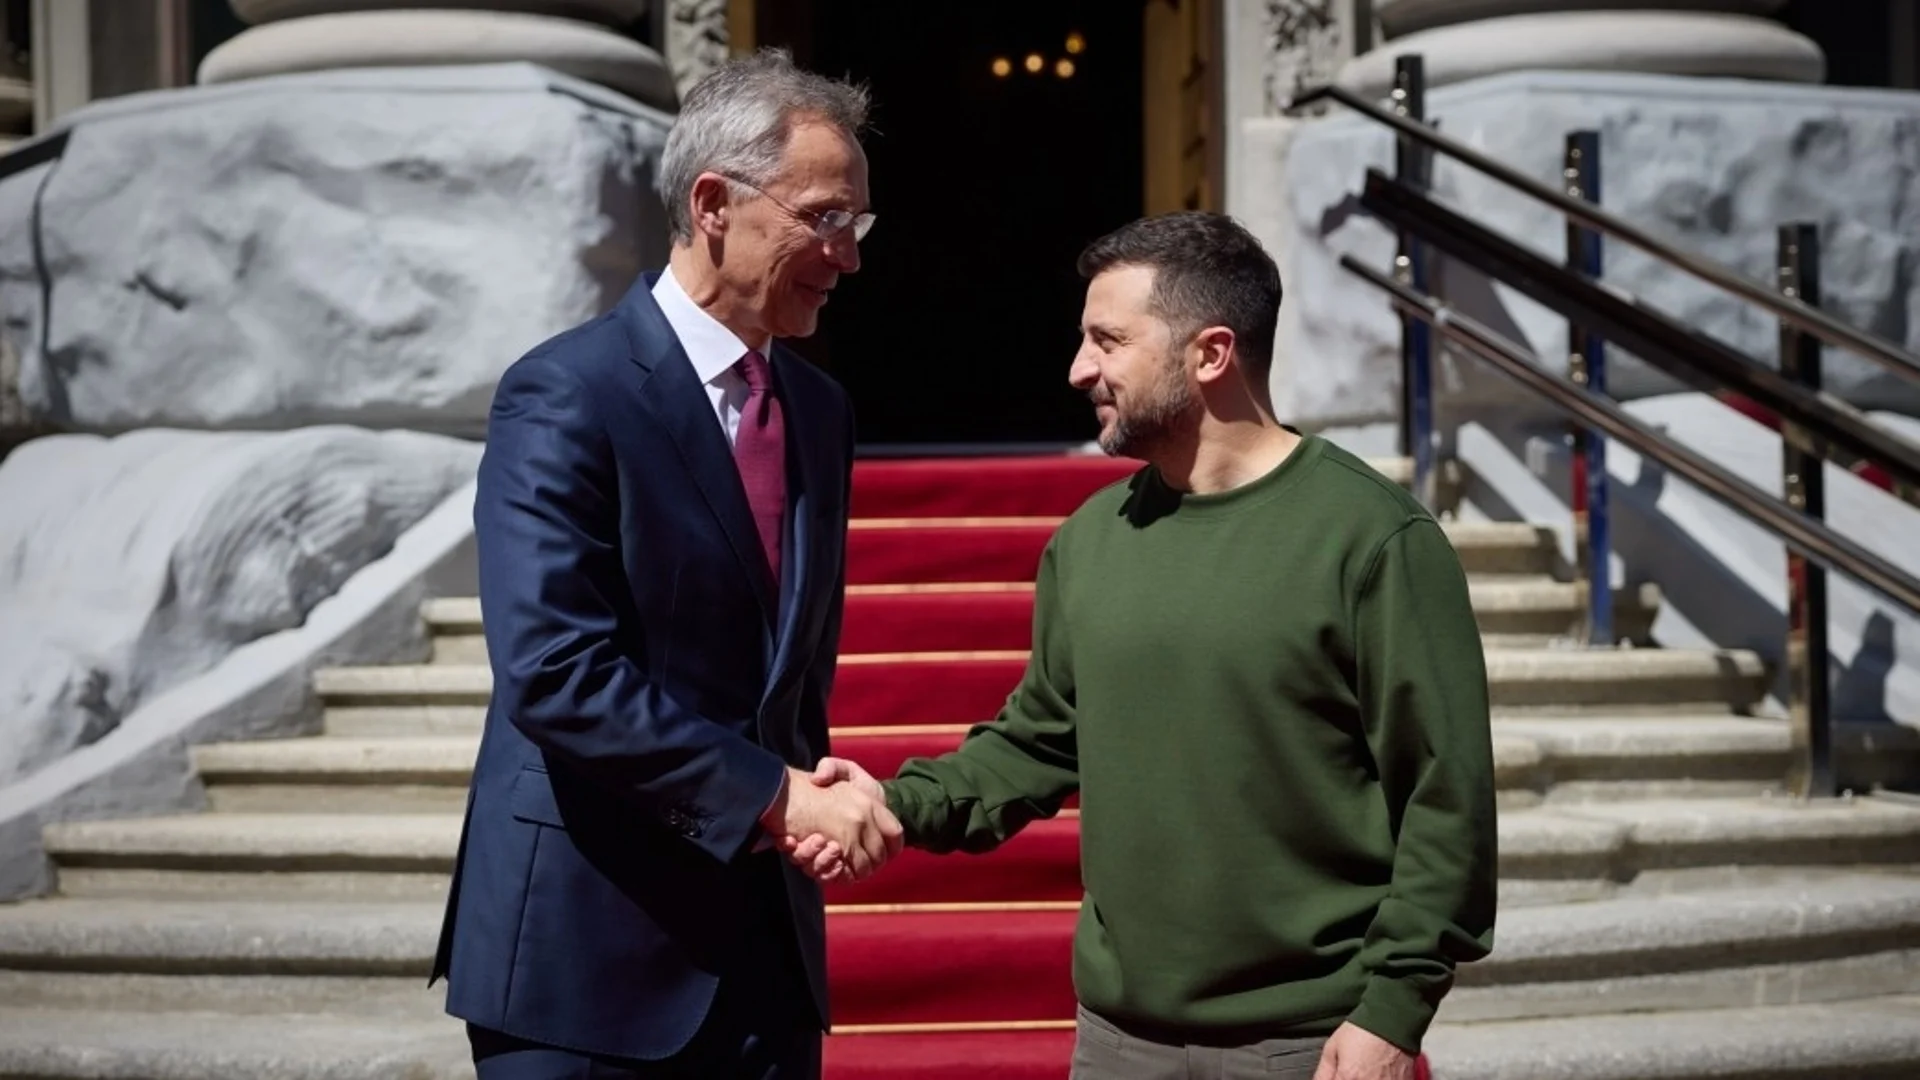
(711, 347)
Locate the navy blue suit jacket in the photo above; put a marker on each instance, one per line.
(649, 688)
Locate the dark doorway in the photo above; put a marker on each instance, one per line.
(961, 324)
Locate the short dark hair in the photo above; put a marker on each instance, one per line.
(1208, 271)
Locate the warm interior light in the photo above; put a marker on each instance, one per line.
(1076, 43)
(1002, 66)
(1035, 63)
(1064, 68)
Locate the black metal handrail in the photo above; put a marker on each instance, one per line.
(34, 153)
(1688, 355)
(1806, 535)
(1816, 428)
(1802, 316)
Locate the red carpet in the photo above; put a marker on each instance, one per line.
(931, 967)
(946, 967)
(1041, 863)
(922, 688)
(897, 551)
(883, 749)
(999, 1055)
(936, 618)
(983, 486)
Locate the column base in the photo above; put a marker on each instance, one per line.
(1399, 18)
(1644, 42)
(606, 12)
(437, 38)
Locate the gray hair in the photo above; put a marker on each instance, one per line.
(736, 122)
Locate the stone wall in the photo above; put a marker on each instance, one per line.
(368, 247)
(1713, 166)
(131, 564)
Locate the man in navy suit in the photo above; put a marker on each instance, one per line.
(661, 525)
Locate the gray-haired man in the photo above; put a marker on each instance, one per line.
(661, 521)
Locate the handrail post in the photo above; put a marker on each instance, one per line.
(1811, 774)
(1412, 165)
(1587, 367)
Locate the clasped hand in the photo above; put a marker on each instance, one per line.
(834, 823)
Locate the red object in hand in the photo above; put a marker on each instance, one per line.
(1420, 1069)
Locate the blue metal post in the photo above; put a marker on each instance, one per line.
(1587, 366)
(1413, 165)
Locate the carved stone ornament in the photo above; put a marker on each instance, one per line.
(697, 39)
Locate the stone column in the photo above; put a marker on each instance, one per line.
(574, 37)
(1467, 39)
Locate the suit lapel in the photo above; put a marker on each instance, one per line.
(679, 405)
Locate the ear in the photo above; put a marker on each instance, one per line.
(1212, 352)
(711, 200)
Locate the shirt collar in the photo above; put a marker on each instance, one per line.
(710, 346)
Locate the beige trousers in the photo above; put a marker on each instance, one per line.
(1102, 1051)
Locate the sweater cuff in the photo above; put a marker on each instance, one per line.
(911, 799)
(1395, 1010)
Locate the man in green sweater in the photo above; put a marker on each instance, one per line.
(1256, 663)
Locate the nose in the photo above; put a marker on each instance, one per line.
(844, 252)
(1085, 370)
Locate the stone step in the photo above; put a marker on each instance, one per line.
(1808, 938)
(1871, 1039)
(402, 721)
(1587, 758)
(1576, 845)
(1679, 679)
(281, 937)
(1572, 759)
(243, 997)
(120, 882)
(1547, 852)
(1816, 938)
(335, 774)
(55, 1044)
(1513, 612)
(260, 843)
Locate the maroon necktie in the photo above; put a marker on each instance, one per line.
(760, 449)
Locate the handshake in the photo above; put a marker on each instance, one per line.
(833, 822)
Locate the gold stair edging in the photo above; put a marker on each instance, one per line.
(952, 1026)
(952, 522)
(924, 588)
(954, 907)
(885, 731)
(934, 657)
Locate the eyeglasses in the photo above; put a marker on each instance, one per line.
(827, 224)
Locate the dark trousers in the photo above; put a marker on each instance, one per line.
(762, 1025)
(748, 1035)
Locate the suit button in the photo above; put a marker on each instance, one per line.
(680, 820)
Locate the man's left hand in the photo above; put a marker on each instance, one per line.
(1354, 1053)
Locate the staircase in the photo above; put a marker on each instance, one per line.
(1666, 912)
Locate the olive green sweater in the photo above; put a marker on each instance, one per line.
(1273, 704)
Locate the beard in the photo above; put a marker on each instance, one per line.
(1151, 418)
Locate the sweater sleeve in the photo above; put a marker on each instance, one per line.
(1423, 700)
(1006, 773)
